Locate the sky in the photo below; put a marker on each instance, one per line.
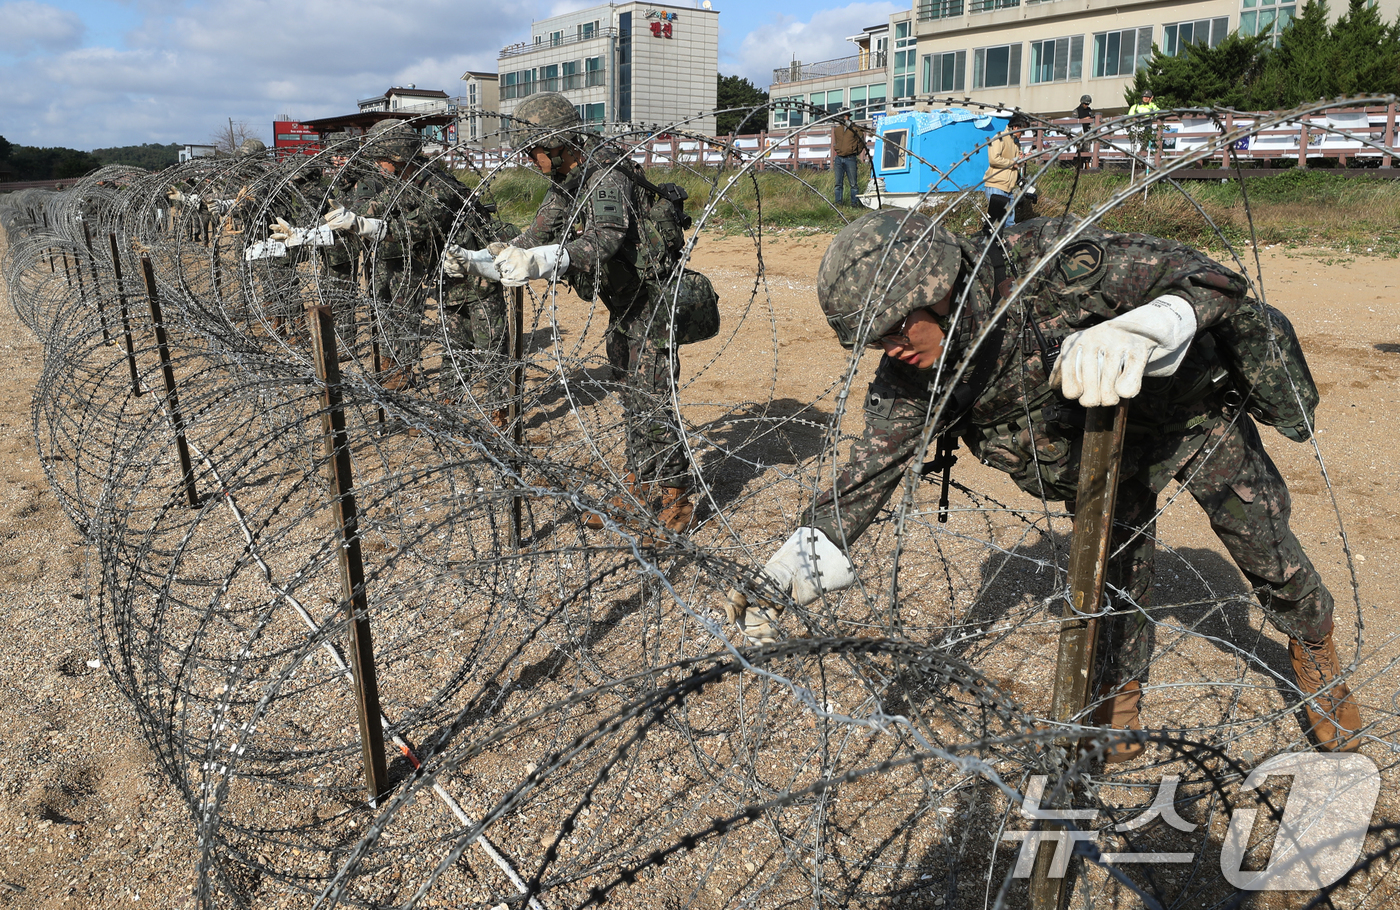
(88, 74)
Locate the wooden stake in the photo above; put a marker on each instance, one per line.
(352, 571)
(96, 285)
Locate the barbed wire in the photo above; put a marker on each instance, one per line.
(570, 721)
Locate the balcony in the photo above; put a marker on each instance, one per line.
(800, 72)
(525, 47)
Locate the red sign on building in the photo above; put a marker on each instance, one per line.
(292, 138)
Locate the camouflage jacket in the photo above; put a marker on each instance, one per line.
(355, 191)
(599, 214)
(1016, 422)
(418, 212)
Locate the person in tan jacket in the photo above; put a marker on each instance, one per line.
(1003, 172)
(847, 145)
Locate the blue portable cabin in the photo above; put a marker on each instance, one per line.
(922, 151)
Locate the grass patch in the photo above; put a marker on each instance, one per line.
(1298, 207)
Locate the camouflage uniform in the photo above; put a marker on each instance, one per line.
(418, 213)
(620, 255)
(1178, 427)
(337, 262)
(474, 314)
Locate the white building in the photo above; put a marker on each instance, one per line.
(1041, 55)
(621, 64)
(409, 100)
(878, 78)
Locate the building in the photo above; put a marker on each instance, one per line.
(191, 152)
(429, 111)
(621, 64)
(1042, 56)
(478, 110)
(410, 100)
(292, 138)
(874, 80)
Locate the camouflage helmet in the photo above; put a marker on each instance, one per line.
(250, 148)
(882, 267)
(392, 140)
(547, 118)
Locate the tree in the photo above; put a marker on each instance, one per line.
(226, 139)
(1200, 75)
(5, 148)
(738, 92)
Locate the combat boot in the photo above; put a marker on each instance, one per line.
(1332, 716)
(620, 503)
(676, 509)
(1119, 711)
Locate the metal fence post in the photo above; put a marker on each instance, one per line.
(1088, 567)
(517, 403)
(96, 285)
(126, 321)
(172, 398)
(352, 571)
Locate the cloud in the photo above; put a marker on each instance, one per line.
(30, 27)
(823, 37)
(185, 70)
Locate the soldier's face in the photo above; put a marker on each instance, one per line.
(921, 343)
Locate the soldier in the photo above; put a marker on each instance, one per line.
(1114, 308)
(405, 225)
(474, 311)
(619, 255)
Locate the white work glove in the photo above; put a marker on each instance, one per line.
(283, 232)
(175, 196)
(341, 219)
(265, 249)
(1106, 362)
(806, 567)
(518, 265)
(459, 263)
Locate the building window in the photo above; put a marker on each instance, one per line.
(572, 76)
(539, 39)
(591, 115)
(986, 6)
(518, 84)
(904, 56)
(1122, 53)
(549, 78)
(587, 30)
(994, 67)
(1265, 17)
(593, 70)
(940, 9)
(1057, 60)
(875, 99)
(556, 38)
(785, 115)
(471, 94)
(1209, 32)
(835, 100)
(944, 72)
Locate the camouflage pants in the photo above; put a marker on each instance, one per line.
(400, 301)
(1246, 500)
(639, 350)
(279, 285)
(338, 288)
(478, 340)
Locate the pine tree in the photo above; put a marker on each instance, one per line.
(738, 92)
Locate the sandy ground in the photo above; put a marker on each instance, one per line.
(85, 821)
